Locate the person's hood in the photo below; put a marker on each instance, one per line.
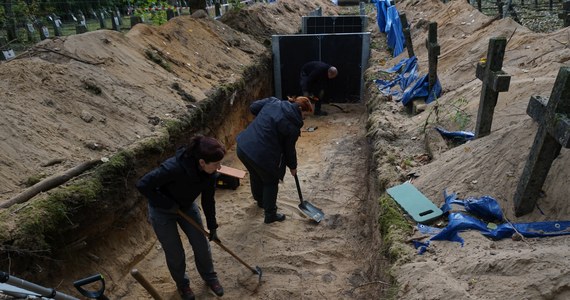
(292, 112)
(187, 162)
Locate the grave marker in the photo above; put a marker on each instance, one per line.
(433, 53)
(115, 22)
(553, 117)
(101, 18)
(494, 81)
(407, 35)
(44, 31)
(7, 53)
(30, 30)
(56, 22)
(81, 27)
(565, 15)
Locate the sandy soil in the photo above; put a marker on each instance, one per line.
(87, 96)
(299, 258)
(482, 269)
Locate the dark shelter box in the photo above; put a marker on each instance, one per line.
(228, 178)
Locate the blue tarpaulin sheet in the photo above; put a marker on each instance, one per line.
(456, 136)
(394, 31)
(410, 85)
(480, 209)
(381, 11)
(388, 21)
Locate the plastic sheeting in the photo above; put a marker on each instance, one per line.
(409, 83)
(485, 207)
(482, 209)
(388, 20)
(456, 136)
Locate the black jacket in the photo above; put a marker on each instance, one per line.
(270, 139)
(314, 77)
(178, 181)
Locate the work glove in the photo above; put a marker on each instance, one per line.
(214, 236)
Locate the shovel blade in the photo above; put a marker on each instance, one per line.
(311, 211)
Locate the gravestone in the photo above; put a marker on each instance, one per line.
(407, 35)
(565, 14)
(494, 81)
(101, 17)
(118, 16)
(44, 31)
(56, 22)
(115, 22)
(31, 31)
(553, 117)
(81, 27)
(7, 53)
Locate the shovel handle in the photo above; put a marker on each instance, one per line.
(197, 226)
(298, 188)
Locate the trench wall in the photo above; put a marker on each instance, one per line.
(103, 210)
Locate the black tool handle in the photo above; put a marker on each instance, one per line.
(298, 188)
(98, 294)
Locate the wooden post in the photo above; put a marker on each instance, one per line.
(407, 35)
(553, 117)
(433, 53)
(494, 81)
(500, 7)
(565, 14)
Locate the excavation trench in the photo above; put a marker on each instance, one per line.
(109, 234)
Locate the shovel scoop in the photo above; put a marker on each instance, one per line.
(308, 208)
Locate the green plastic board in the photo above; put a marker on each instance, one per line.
(418, 206)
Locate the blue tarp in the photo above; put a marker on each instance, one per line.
(456, 136)
(395, 35)
(381, 11)
(485, 208)
(388, 21)
(410, 86)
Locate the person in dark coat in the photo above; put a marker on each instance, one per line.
(174, 186)
(267, 146)
(314, 79)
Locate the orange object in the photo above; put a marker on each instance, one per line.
(231, 172)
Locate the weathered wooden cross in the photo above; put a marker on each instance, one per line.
(553, 116)
(433, 53)
(494, 81)
(407, 35)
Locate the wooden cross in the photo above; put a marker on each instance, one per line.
(433, 53)
(407, 36)
(494, 81)
(565, 15)
(553, 117)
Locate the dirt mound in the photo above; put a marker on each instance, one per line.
(492, 165)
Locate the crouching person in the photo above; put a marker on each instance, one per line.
(175, 185)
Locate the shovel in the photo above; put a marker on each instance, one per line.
(256, 270)
(306, 207)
